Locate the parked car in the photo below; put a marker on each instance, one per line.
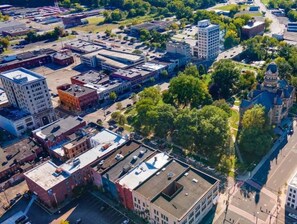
(18, 195)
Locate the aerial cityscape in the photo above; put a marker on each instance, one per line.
(148, 111)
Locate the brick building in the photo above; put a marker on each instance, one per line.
(56, 132)
(77, 98)
(63, 59)
(16, 157)
(53, 184)
(252, 29)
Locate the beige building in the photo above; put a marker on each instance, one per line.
(275, 94)
(176, 194)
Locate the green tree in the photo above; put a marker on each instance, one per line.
(108, 32)
(112, 96)
(164, 74)
(185, 90)
(284, 68)
(231, 39)
(223, 105)
(4, 42)
(224, 79)
(191, 70)
(152, 93)
(119, 106)
(256, 135)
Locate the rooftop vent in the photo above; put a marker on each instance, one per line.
(119, 157)
(195, 180)
(186, 174)
(170, 175)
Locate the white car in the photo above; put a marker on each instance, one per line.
(292, 215)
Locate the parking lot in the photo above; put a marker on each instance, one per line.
(88, 208)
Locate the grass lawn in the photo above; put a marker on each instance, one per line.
(265, 2)
(234, 122)
(251, 14)
(241, 66)
(230, 6)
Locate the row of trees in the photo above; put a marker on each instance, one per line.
(267, 48)
(32, 36)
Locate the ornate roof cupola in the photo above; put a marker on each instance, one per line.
(271, 77)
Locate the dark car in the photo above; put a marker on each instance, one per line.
(291, 131)
(22, 219)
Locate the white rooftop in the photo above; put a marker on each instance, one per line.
(144, 170)
(21, 75)
(293, 182)
(44, 175)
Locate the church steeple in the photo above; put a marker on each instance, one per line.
(271, 77)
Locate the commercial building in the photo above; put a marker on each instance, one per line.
(27, 60)
(208, 43)
(28, 91)
(16, 32)
(73, 20)
(140, 74)
(15, 120)
(252, 29)
(17, 157)
(77, 98)
(53, 184)
(55, 133)
(159, 26)
(63, 59)
(102, 83)
(291, 199)
(276, 95)
(179, 48)
(82, 46)
(292, 27)
(111, 60)
(177, 193)
(9, 25)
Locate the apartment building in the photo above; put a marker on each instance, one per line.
(208, 44)
(28, 91)
(291, 199)
(179, 48)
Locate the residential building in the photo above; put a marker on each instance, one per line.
(291, 199)
(77, 98)
(252, 28)
(140, 74)
(181, 48)
(16, 32)
(29, 59)
(177, 193)
(102, 83)
(15, 120)
(63, 59)
(11, 24)
(57, 132)
(276, 95)
(16, 157)
(111, 60)
(28, 91)
(208, 43)
(53, 184)
(292, 27)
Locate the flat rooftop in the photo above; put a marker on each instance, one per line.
(75, 90)
(127, 163)
(61, 56)
(151, 66)
(189, 188)
(112, 159)
(58, 127)
(92, 76)
(131, 73)
(154, 185)
(144, 170)
(17, 151)
(90, 48)
(46, 176)
(21, 76)
(77, 44)
(111, 62)
(101, 88)
(119, 54)
(13, 113)
(252, 25)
